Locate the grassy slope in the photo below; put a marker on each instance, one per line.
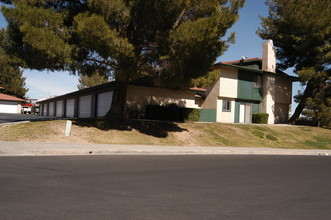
(192, 134)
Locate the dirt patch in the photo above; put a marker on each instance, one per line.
(235, 130)
(188, 138)
(77, 135)
(47, 131)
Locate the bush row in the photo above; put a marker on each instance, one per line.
(171, 113)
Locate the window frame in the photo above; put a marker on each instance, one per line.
(226, 107)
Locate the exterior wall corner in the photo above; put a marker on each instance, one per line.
(268, 100)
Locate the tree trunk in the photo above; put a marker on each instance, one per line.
(306, 94)
(117, 113)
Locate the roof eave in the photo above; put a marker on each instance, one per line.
(86, 90)
(278, 73)
(11, 98)
(240, 67)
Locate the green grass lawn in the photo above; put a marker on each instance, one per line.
(181, 134)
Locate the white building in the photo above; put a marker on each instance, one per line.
(10, 104)
(249, 86)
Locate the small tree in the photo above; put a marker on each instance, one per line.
(86, 81)
(207, 80)
(11, 78)
(318, 107)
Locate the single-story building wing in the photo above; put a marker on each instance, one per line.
(96, 101)
(10, 104)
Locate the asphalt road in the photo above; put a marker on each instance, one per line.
(8, 118)
(165, 187)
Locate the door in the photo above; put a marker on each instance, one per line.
(8, 107)
(84, 109)
(44, 109)
(248, 113)
(51, 109)
(70, 108)
(245, 113)
(242, 113)
(59, 108)
(104, 101)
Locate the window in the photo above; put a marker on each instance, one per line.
(257, 81)
(226, 105)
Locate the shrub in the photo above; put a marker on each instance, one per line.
(260, 118)
(191, 114)
(155, 112)
(171, 113)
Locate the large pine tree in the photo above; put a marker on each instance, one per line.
(171, 41)
(301, 31)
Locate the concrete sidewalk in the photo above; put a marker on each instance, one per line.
(54, 149)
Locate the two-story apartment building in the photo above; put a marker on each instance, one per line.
(248, 86)
(244, 87)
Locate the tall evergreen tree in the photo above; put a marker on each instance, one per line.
(301, 31)
(172, 41)
(11, 78)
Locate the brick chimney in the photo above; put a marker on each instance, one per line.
(268, 57)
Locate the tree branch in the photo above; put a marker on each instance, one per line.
(108, 63)
(176, 24)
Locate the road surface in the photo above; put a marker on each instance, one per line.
(165, 187)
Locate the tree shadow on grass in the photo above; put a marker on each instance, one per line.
(159, 129)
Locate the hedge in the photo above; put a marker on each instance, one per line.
(260, 118)
(171, 113)
(191, 114)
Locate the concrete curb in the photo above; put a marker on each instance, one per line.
(14, 122)
(23, 121)
(62, 149)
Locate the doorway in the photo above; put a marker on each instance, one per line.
(245, 113)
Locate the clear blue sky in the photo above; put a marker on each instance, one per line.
(46, 84)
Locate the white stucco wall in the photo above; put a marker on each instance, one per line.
(283, 90)
(225, 117)
(268, 56)
(283, 99)
(212, 94)
(139, 96)
(268, 102)
(229, 82)
(281, 112)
